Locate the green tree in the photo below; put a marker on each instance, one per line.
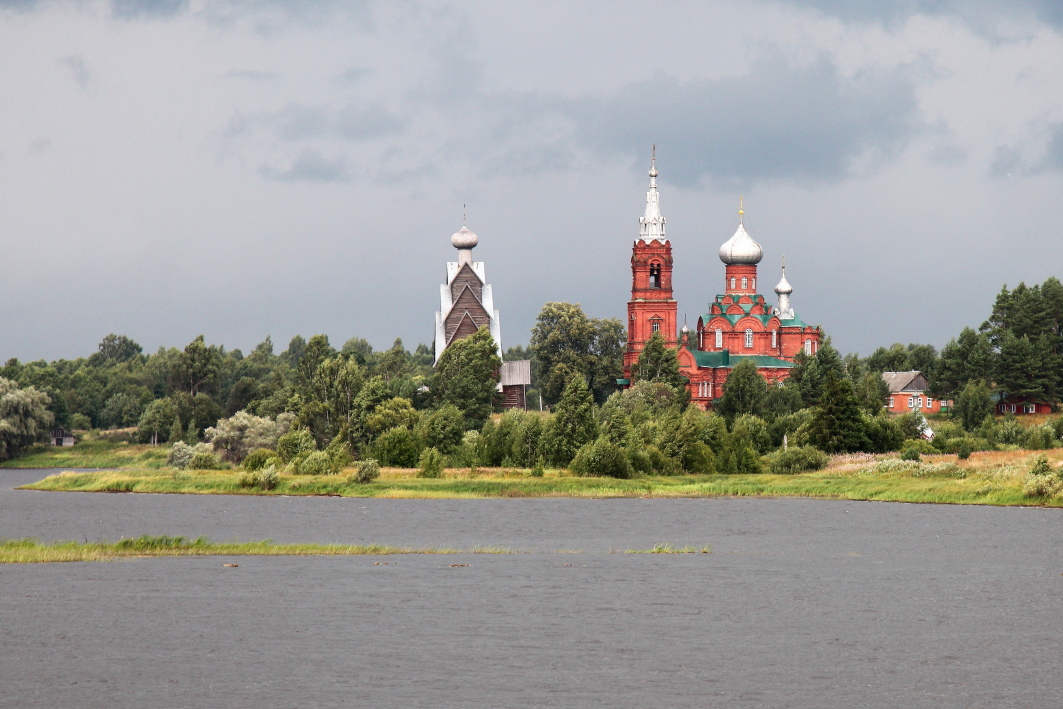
(561, 343)
(24, 417)
(118, 348)
(658, 363)
(196, 369)
(573, 423)
(467, 377)
(743, 392)
(972, 405)
(837, 424)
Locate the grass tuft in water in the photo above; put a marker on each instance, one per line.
(31, 551)
(669, 549)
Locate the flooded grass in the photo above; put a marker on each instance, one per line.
(32, 551)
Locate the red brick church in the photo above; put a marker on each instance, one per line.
(739, 324)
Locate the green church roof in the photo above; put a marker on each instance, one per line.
(723, 358)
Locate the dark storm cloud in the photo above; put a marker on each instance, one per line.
(311, 166)
(778, 123)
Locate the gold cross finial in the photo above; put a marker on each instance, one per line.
(463, 214)
(740, 210)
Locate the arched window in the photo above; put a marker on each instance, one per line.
(745, 283)
(754, 284)
(774, 339)
(749, 337)
(655, 275)
(719, 337)
(808, 347)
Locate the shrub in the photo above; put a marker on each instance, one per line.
(294, 442)
(660, 464)
(180, 455)
(539, 469)
(1042, 481)
(398, 447)
(964, 449)
(910, 453)
(315, 463)
(233, 438)
(430, 464)
(797, 459)
(259, 458)
(602, 457)
(80, 422)
(265, 478)
(205, 460)
(366, 471)
(1039, 438)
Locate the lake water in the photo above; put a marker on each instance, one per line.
(802, 603)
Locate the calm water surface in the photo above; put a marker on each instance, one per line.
(802, 603)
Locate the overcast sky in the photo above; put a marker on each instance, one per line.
(243, 168)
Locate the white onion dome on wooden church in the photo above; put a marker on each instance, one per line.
(651, 225)
(741, 248)
(464, 239)
(784, 287)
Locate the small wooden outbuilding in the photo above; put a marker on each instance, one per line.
(62, 437)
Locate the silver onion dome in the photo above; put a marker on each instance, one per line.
(464, 239)
(784, 287)
(741, 249)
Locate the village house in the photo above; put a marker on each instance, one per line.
(907, 392)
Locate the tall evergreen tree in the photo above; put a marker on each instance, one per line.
(973, 403)
(837, 424)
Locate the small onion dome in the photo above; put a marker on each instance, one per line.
(464, 239)
(741, 248)
(784, 287)
(685, 330)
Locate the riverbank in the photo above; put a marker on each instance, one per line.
(984, 479)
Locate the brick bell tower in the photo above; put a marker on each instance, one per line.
(651, 308)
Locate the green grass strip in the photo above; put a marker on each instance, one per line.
(976, 489)
(32, 551)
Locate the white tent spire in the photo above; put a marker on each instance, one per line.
(651, 226)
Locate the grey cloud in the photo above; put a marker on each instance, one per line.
(147, 9)
(251, 75)
(311, 166)
(778, 123)
(78, 70)
(296, 122)
(1011, 159)
(980, 14)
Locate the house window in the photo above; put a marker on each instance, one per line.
(911, 402)
(732, 282)
(919, 402)
(656, 325)
(719, 337)
(1029, 408)
(745, 283)
(891, 402)
(774, 339)
(808, 347)
(929, 403)
(749, 338)
(655, 275)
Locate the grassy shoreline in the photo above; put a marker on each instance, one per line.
(985, 479)
(32, 551)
